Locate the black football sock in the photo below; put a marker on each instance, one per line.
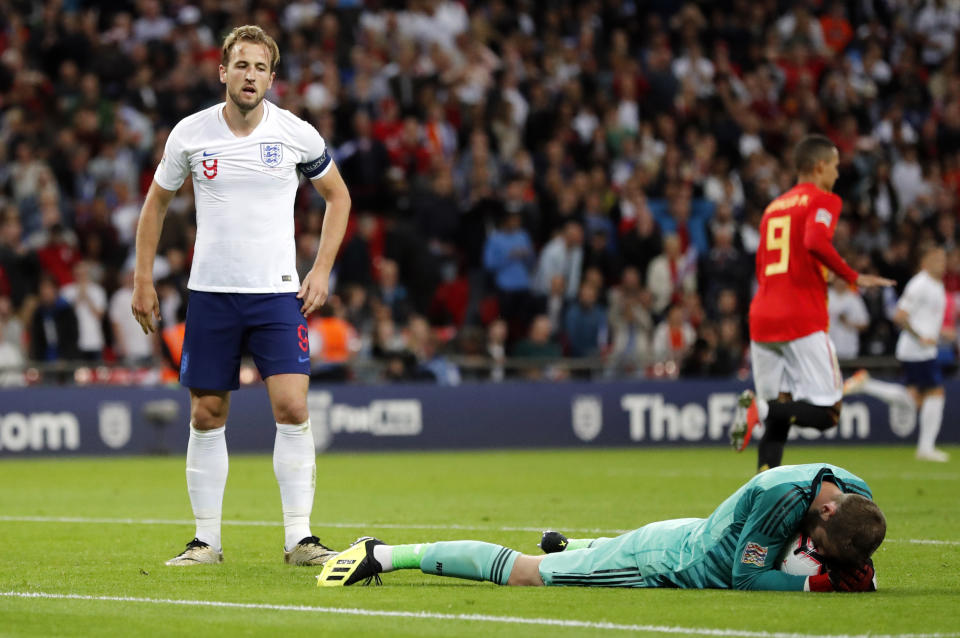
(781, 416)
(770, 452)
(803, 414)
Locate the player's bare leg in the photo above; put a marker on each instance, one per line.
(294, 463)
(207, 466)
(526, 571)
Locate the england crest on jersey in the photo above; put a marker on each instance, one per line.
(271, 153)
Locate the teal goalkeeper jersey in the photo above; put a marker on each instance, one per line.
(738, 545)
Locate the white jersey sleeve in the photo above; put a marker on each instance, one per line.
(925, 301)
(174, 165)
(314, 159)
(858, 309)
(846, 310)
(911, 298)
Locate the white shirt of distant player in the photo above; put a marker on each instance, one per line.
(245, 189)
(925, 303)
(850, 306)
(133, 344)
(89, 313)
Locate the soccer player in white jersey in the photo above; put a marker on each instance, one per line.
(245, 156)
(920, 313)
(920, 318)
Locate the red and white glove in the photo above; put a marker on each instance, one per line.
(849, 579)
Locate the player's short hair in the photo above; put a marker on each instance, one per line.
(810, 150)
(250, 33)
(857, 528)
(926, 248)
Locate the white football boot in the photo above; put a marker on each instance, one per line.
(196, 553)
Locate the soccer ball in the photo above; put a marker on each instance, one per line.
(800, 558)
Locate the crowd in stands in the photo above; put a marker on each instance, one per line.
(530, 179)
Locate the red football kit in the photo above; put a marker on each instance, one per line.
(796, 243)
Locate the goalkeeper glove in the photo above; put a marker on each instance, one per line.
(849, 579)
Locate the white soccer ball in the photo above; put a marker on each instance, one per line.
(800, 558)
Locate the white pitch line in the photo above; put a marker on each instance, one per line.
(484, 618)
(401, 526)
(167, 521)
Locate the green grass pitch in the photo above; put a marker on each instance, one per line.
(98, 530)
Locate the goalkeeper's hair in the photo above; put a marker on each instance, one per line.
(250, 33)
(810, 150)
(857, 528)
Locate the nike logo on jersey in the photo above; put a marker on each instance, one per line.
(303, 359)
(206, 154)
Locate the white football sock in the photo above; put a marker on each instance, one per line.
(207, 466)
(295, 464)
(888, 392)
(931, 415)
(383, 554)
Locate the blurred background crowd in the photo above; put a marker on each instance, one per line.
(530, 180)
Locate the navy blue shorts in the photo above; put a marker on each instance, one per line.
(922, 374)
(221, 326)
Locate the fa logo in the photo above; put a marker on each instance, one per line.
(271, 153)
(210, 168)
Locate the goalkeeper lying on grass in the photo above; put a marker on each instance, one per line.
(735, 548)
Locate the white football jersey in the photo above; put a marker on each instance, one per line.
(244, 189)
(847, 305)
(925, 303)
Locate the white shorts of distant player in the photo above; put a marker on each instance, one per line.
(807, 368)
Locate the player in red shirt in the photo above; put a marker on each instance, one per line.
(795, 369)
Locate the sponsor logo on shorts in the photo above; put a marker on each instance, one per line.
(303, 359)
(754, 554)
